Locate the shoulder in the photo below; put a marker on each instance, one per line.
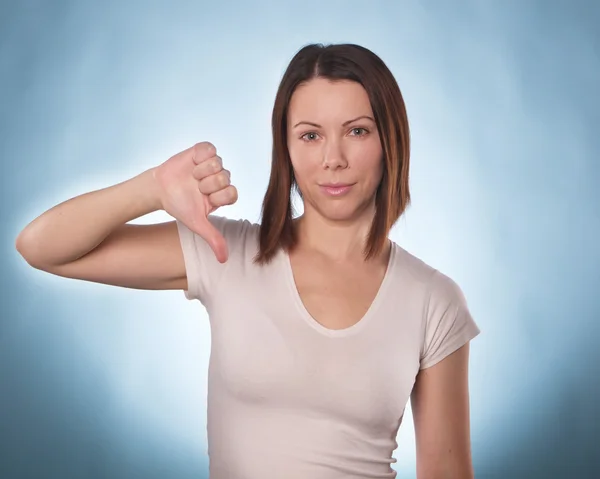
(436, 285)
(204, 272)
(446, 321)
(240, 235)
(235, 231)
(411, 268)
(232, 225)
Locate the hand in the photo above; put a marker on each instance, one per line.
(193, 184)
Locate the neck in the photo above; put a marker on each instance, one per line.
(337, 240)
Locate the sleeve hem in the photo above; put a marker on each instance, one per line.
(188, 247)
(451, 348)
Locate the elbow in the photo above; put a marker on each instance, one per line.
(26, 247)
(21, 245)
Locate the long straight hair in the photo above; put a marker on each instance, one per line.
(338, 62)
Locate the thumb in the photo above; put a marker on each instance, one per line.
(214, 238)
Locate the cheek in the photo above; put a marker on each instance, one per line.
(302, 164)
(369, 163)
(379, 166)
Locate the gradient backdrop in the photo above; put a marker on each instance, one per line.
(100, 382)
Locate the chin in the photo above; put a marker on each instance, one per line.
(342, 212)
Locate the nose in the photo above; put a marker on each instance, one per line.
(333, 155)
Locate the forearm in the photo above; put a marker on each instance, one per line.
(73, 228)
(447, 471)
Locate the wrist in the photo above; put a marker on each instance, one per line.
(148, 191)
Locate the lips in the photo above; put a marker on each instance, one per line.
(335, 189)
(335, 185)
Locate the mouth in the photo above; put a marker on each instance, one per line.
(336, 189)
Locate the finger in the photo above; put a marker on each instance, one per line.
(214, 183)
(226, 196)
(208, 167)
(214, 238)
(203, 151)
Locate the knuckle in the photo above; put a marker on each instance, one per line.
(199, 172)
(224, 179)
(204, 150)
(202, 187)
(233, 194)
(215, 165)
(207, 146)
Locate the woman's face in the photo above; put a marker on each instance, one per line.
(334, 147)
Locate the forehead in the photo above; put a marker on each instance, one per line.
(325, 100)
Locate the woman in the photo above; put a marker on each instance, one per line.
(322, 328)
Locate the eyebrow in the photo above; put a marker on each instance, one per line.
(343, 124)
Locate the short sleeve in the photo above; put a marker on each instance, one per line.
(203, 270)
(448, 321)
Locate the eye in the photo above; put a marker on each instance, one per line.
(359, 131)
(310, 136)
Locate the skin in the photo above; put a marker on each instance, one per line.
(89, 237)
(440, 407)
(335, 282)
(333, 138)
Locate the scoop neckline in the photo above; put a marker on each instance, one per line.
(350, 330)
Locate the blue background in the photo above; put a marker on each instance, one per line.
(97, 381)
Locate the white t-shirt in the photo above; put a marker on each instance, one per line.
(289, 398)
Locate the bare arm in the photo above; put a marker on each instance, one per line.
(440, 406)
(88, 237)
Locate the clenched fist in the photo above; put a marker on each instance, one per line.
(193, 184)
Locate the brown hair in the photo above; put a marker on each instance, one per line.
(338, 62)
